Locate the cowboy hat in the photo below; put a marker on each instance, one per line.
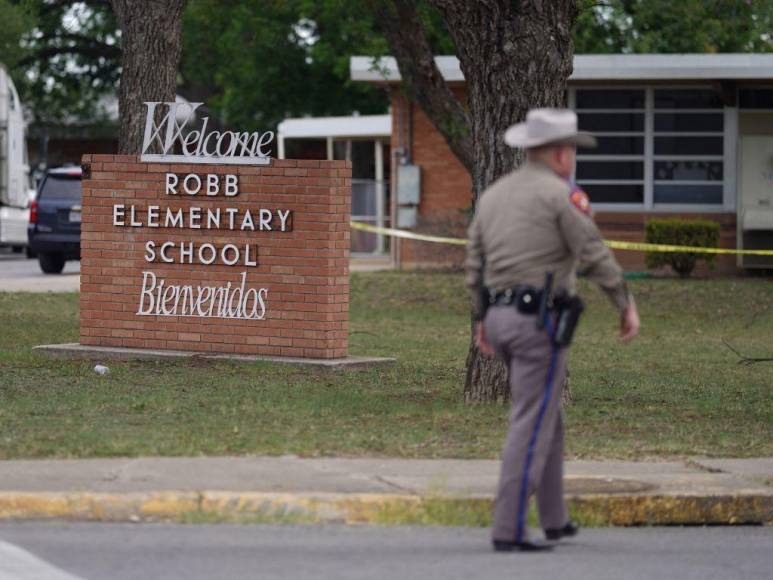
(548, 126)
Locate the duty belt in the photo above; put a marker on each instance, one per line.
(524, 297)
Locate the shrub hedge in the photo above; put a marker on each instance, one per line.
(681, 232)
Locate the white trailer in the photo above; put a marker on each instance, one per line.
(14, 170)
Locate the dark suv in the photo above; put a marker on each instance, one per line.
(55, 219)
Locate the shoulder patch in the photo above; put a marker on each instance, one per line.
(580, 200)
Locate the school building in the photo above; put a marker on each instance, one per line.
(687, 135)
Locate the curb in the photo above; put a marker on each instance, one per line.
(380, 509)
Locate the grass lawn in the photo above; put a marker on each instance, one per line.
(676, 391)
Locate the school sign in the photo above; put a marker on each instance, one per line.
(204, 243)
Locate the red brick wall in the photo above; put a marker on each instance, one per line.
(446, 189)
(305, 271)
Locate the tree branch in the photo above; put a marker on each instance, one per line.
(746, 360)
(403, 29)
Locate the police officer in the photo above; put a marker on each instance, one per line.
(532, 223)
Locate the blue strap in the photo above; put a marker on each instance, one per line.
(523, 500)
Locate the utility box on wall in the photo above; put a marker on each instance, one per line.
(408, 195)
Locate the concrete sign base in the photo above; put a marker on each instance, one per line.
(74, 350)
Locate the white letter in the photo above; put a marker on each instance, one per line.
(244, 139)
(247, 261)
(213, 218)
(147, 291)
(231, 185)
(231, 211)
(265, 139)
(231, 144)
(200, 299)
(254, 310)
(132, 222)
(238, 312)
(118, 211)
(213, 184)
(203, 132)
(168, 296)
(190, 139)
(174, 220)
(186, 253)
(210, 248)
(194, 216)
(164, 257)
(198, 184)
(224, 255)
(265, 220)
(150, 251)
(152, 216)
(173, 130)
(262, 297)
(206, 140)
(247, 221)
(283, 218)
(151, 131)
(171, 184)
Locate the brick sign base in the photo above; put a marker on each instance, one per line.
(301, 274)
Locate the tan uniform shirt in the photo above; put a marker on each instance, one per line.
(530, 222)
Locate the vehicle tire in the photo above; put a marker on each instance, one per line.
(17, 249)
(51, 263)
(31, 253)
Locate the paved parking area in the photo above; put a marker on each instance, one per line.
(21, 274)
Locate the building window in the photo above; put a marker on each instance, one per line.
(657, 146)
(687, 159)
(755, 98)
(614, 172)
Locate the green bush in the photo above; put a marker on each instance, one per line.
(681, 232)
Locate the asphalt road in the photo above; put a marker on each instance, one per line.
(21, 274)
(60, 551)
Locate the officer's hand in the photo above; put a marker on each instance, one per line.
(629, 323)
(481, 341)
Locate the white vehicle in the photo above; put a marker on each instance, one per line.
(14, 170)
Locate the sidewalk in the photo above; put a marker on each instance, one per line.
(390, 491)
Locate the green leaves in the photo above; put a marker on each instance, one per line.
(18, 18)
(71, 61)
(256, 63)
(665, 26)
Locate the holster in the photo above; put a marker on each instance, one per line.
(568, 311)
(484, 301)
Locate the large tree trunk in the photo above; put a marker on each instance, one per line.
(151, 42)
(515, 55)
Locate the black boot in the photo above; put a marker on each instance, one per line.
(569, 530)
(505, 546)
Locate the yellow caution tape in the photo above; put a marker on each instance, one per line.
(616, 245)
(407, 235)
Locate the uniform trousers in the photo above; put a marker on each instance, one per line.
(533, 455)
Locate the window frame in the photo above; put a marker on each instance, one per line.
(729, 136)
(636, 157)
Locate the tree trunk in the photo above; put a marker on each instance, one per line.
(515, 56)
(151, 42)
(486, 380)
